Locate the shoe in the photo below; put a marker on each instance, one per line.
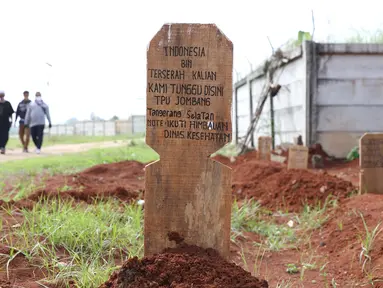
(2, 150)
(25, 150)
(38, 151)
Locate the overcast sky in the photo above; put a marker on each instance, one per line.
(97, 49)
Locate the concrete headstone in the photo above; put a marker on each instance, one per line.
(298, 157)
(264, 148)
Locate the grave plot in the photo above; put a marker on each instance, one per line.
(289, 224)
(187, 194)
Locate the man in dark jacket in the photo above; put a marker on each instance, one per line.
(6, 112)
(21, 111)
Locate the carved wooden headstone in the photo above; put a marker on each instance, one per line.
(298, 157)
(371, 163)
(189, 96)
(264, 148)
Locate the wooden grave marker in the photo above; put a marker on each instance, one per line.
(298, 157)
(189, 96)
(371, 163)
(264, 148)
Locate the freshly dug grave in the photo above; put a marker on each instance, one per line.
(122, 180)
(278, 188)
(183, 267)
(269, 182)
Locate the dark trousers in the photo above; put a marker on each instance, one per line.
(4, 133)
(37, 133)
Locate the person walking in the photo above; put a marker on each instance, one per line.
(35, 120)
(6, 112)
(21, 111)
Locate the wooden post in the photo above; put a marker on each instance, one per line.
(189, 96)
(371, 163)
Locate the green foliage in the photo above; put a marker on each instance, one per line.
(302, 36)
(93, 236)
(353, 154)
(363, 36)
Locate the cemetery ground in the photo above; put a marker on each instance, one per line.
(58, 145)
(50, 140)
(72, 220)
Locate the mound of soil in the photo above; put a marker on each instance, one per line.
(276, 187)
(183, 267)
(122, 180)
(234, 161)
(269, 182)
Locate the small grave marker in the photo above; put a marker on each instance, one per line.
(298, 157)
(189, 95)
(264, 148)
(371, 163)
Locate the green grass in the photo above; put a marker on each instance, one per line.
(77, 161)
(14, 142)
(96, 238)
(21, 175)
(85, 243)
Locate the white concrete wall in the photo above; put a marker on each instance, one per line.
(243, 110)
(138, 124)
(264, 124)
(135, 124)
(331, 94)
(289, 104)
(349, 99)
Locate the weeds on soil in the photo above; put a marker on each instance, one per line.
(367, 243)
(79, 242)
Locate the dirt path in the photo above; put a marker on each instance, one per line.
(16, 154)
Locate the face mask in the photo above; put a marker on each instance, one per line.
(38, 98)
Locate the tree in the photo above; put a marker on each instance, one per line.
(114, 118)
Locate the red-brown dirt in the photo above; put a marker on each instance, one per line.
(21, 271)
(341, 237)
(333, 250)
(183, 267)
(270, 183)
(278, 188)
(123, 180)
